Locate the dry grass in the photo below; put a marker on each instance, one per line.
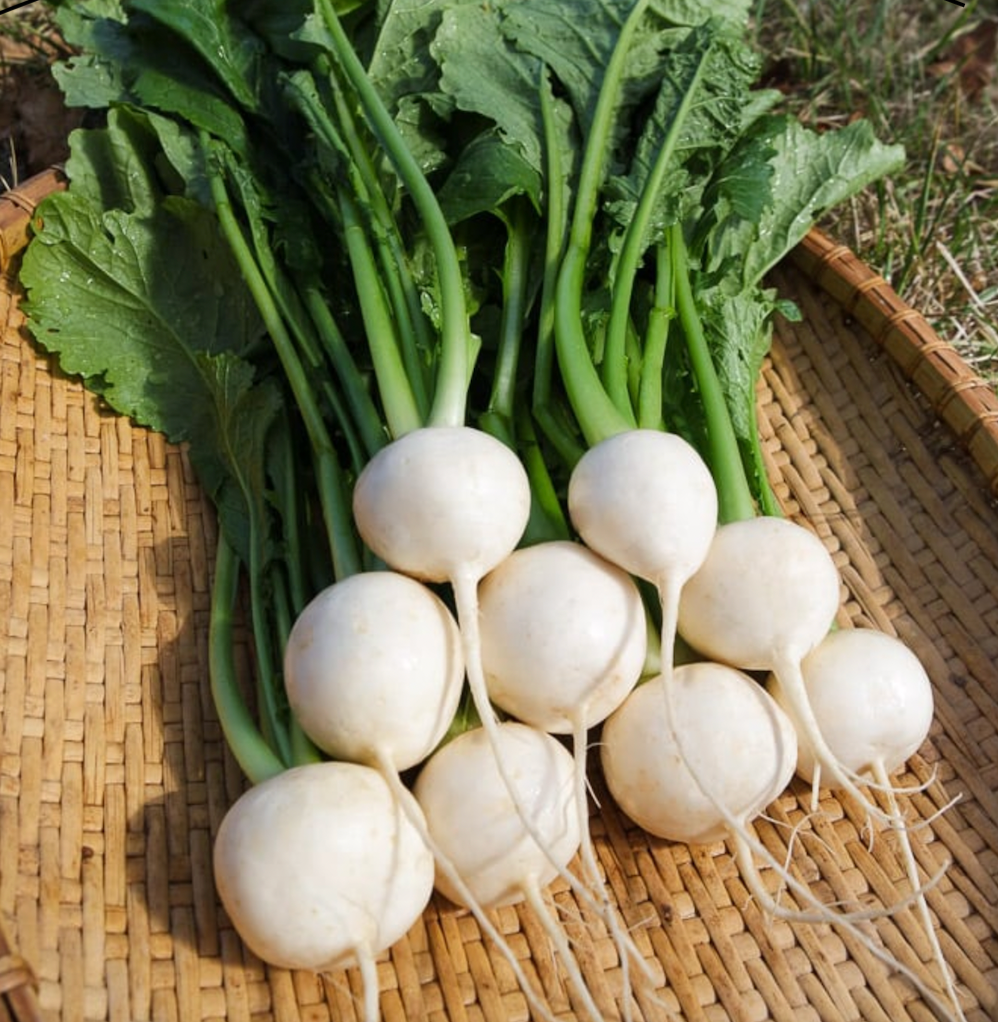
(923, 72)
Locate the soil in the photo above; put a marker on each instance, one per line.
(34, 122)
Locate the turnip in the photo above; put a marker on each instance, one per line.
(564, 639)
(564, 635)
(872, 701)
(766, 594)
(719, 731)
(373, 669)
(320, 868)
(479, 824)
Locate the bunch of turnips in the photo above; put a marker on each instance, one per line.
(461, 314)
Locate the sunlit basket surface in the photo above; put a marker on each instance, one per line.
(114, 776)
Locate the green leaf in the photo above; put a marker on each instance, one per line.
(223, 41)
(488, 173)
(483, 73)
(811, 173)
(143, 64)
(723, 69)
(129, 301)
(231, 457)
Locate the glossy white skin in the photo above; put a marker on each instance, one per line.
(373, 664)
(646, 501)
(740, 744)
(767, 593)
(319, 866)
(871, 697)
(473, 820)
(442, 501)
(563, 633)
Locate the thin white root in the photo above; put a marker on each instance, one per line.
(911, 868)
(466, 601)
(564, 950)
(747, 847)
(369, 982)
(445, 865)
(626, 948)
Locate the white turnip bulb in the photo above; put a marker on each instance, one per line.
(373, 669)
(320, 868)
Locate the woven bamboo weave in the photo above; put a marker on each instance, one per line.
(114, 775)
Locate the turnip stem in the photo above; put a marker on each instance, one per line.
(633, 248)
(515, 287)
(398, 399)
(724, 455)
(329, 479)
(656, 340)
(597, 414)
(255, 757)
(560, 436)
(448, 406)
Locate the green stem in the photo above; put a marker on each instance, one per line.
(300, 748)
(662, 313)
(724, 454)
(598, 415)
(287, 486)
(272, 725)
(343, 141)
(415, 338)
(397, 397)
(365, 415)
(515, 287)
(255, 757)
(633, 248)
(450, 396)
(547, 516)
(560, 437)
(329, 476)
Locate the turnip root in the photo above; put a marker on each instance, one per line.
(872, 701)
(442, 503)
(320, 868)
(373, 668)
(646, 501)
(478, 824)
(564, 639)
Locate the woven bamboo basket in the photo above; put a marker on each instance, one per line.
(114, 775)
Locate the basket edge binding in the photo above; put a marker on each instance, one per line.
(17, 206)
